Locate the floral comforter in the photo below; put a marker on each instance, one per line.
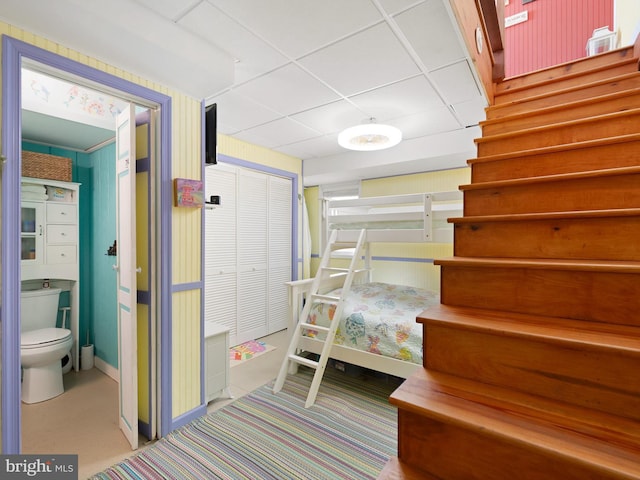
(379, 318)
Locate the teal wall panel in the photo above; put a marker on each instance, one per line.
(98, 310)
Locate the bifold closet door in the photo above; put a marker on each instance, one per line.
(247, 251)
(253, 216)
(279, 252)
(220, 272)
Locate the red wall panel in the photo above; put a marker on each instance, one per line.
(556, 32)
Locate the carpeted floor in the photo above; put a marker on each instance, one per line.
(350, 432)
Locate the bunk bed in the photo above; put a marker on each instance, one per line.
(378, 328)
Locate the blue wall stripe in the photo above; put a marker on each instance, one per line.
(184, 287)
(392, 259)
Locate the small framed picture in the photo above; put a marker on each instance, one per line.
(188, 193)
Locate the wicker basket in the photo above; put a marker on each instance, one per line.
(41, 165)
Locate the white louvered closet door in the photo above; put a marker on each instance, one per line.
(279, 252)
(252, 255)
(220, 273)
(247, 252)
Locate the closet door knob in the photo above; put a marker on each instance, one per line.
(115, 267)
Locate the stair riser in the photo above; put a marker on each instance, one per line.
(627, 82)
(584, 295)
(454, 453)
(602, 127)
(591, 238)
(537, 119)
(601, 379)
(558, 72)
(613, 155)
(591, 193)
(563, 83)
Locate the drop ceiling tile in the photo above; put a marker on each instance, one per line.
(171, 9)
(431, 33)
(402, 98)
(363, 61)
(471, 112)
(313, 148)
(301, 26)
(456, 82)
(236, 113)
(287, 90)
(437, 120)
(332, 117)
(253, 56)
(280, 132)
(394, 6)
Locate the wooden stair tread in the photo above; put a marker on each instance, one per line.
(559, 177)
(525, 217)
(546, 329)
(618, 116)
(544, 264)
(560, 107)
(607, 443)
(396, 469)
(557, 148)
(561, 91)
(579, 67)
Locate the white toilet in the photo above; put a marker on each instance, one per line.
(42, 345)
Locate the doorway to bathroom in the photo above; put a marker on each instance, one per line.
(97, 132)
(11, 259)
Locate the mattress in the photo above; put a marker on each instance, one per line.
(379, 318)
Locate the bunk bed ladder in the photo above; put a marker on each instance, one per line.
(325, 272)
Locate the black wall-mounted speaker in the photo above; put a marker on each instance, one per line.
(211, 134)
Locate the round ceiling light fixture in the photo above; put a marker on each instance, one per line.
(369, 136)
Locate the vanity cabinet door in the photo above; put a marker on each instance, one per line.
(32, 233)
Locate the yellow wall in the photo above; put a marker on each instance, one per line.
(256, 154)
(627, 19)
(405, 272)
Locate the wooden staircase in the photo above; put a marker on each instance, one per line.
(532, 359)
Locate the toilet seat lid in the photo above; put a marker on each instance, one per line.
(35, 338)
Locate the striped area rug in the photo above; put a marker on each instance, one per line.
(349, 433)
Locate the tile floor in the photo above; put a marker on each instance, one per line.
(84, 420)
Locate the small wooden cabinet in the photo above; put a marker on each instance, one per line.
(216, 361)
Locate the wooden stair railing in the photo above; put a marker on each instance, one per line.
(531, 360)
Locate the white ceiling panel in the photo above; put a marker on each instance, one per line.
(395, 6)
(171, 9)
(281, 132)
(456, 82)
(236, 113)
(297, 27)
(288, 90)
(396, 100)
(252, 55)
(428, 29)
(332, 117)
(363, 61)
(319, 147)
(469, 112)
(437, 120)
